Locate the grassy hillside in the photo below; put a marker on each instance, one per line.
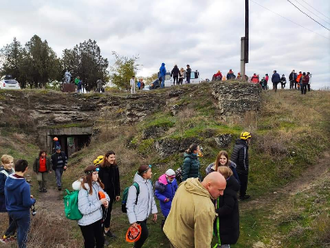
(290, 145)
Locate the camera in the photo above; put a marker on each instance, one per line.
(33, 210)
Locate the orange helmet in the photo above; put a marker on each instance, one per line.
(101, 195)
(55, 139)
(133, 233)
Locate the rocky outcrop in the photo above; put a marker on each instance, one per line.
(236, 98)
(167, 146)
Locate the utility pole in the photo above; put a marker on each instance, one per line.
(245, 42)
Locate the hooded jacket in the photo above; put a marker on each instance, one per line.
(17, 192)
(240, 156)
(190, 222)
(3, 177)
(162, 70)
(276, 78)
(89, 205)
(145, 203)
(165, 190)
(190, 167)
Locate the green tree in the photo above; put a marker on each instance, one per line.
(12, 57)
(123, 70)
(41, 63)
(85, 60)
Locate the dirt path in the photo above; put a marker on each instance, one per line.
(321, 169)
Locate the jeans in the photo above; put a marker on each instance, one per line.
(22, 220)
(303, 88)
(144, 234)
(58, 175)
(163, 82)
(12, 227)
(92, 234)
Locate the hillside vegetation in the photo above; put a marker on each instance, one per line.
(289, 180)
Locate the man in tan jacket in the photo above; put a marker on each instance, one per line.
(190, 221)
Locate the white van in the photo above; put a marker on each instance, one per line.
(194, 78)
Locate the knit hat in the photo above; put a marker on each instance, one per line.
(170, 173)
(90, 169)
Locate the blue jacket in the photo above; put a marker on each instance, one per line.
(3, 177)
(164, 189)
(17, 192)
(162, 70)
(276, 78)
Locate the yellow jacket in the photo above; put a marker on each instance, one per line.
(190, 221)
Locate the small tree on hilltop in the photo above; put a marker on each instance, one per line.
(123, 70)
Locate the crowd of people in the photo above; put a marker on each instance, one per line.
(301, 81)
(192, 211)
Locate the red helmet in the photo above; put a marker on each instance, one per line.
(133, 233)
(55, 139)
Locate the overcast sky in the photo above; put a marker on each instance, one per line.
(203, 33)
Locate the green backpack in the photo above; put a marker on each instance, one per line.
(125, 195)
(71, 205)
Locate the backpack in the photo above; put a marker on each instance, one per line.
(71, 205)
(125, 195)
(178, 175)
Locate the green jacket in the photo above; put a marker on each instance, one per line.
(190, 167)
(36, 165)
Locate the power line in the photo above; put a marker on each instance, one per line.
(308, 15)
(313, 12)
(315, 9)
(289, 20)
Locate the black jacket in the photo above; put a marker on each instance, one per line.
(110, 178)
(240, 156)
(175, 71)
(59, 160)
(227, 209)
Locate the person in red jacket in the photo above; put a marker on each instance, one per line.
(304, 83)
(298, 80)
(255, 78)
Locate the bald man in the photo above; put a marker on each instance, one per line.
(190, 221)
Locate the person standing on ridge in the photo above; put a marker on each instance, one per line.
(162, 74)
(132, 84)
(275, 79)
(240, 157)
(175, 74)
(230, 75)
(188, 74)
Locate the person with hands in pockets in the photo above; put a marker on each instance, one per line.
(141, 205)
(90, 207)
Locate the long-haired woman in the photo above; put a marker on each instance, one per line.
(90, 206)
(109, 175)
(222, 159)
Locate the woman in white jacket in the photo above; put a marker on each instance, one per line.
(90, 206)
(140, 206)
